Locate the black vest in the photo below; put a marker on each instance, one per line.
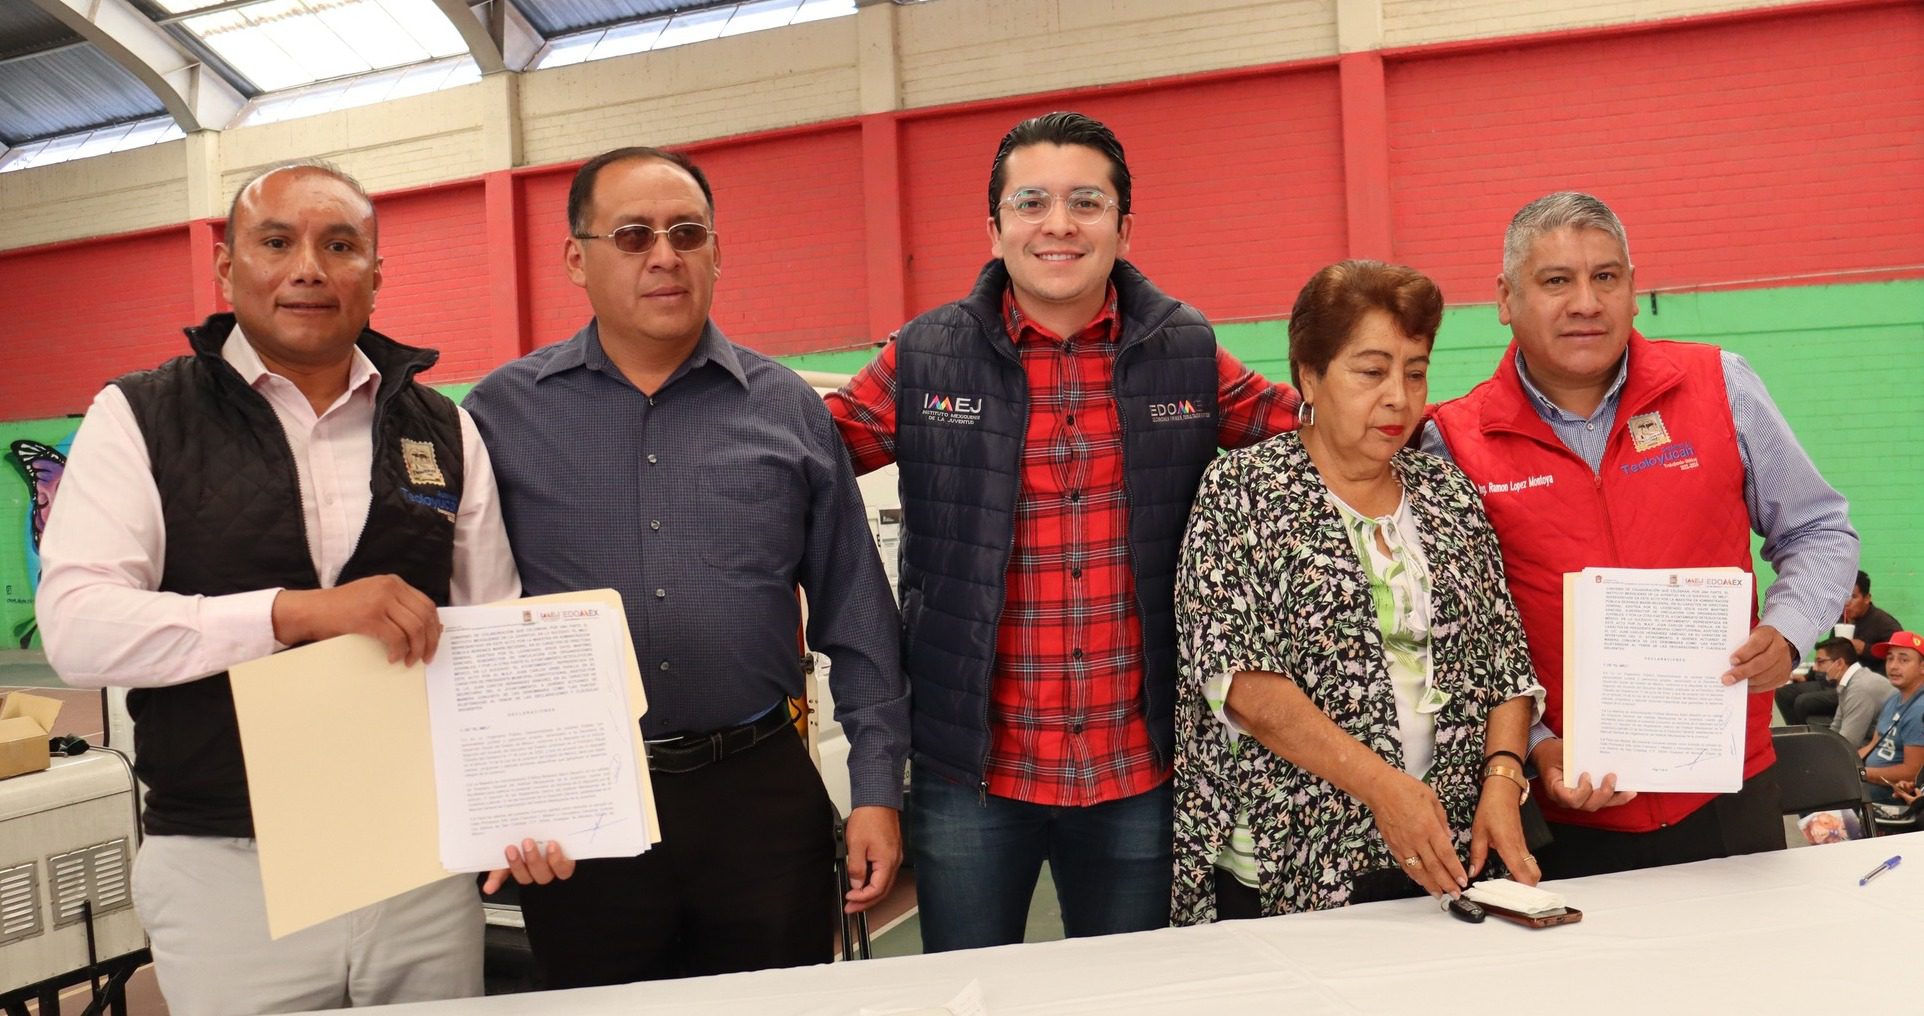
(231, 501)
(960, 464)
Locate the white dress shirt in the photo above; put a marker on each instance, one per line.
(105, 547)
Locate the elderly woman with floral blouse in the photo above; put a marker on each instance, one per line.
(1356, 695)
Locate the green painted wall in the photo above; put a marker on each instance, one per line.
(1845, 363)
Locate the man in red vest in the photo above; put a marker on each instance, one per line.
(1595, 447)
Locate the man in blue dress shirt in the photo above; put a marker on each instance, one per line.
(703, 481)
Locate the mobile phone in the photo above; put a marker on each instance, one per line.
(1546, 919)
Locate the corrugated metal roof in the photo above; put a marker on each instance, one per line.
(66, 90)
(559, 17)
(25, 28)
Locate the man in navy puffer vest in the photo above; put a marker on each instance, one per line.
(1050, 429)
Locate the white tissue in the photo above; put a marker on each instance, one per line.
(1524, 899)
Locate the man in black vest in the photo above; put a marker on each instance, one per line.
(1050, 428)
(287, 481)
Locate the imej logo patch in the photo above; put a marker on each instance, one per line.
(960, 410)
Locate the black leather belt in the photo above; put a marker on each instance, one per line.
(689, 752)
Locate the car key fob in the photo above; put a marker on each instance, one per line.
(1465, 909)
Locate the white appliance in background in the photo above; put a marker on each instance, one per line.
(66, 838)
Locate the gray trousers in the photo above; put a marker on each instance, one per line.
(201, 901)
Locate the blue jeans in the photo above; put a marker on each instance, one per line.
(977, 861)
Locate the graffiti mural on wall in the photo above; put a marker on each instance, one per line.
(40, 465)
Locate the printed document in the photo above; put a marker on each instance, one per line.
(529, 715)
(341, 768)
(1642, 653)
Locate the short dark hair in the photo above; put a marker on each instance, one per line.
(1060, 128)
(316, 165)
(1863, 582)
(581, 193)
(1843, 649)
(1335, 300)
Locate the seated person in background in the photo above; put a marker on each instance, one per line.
(1838, 684)
(1355, 692)
(1897, 750)
(1870, 623)
(1816, 685)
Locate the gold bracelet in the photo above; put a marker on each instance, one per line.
(1511, 773)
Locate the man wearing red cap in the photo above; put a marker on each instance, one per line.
(1897, 744)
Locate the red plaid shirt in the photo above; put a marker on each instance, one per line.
(1066, 724)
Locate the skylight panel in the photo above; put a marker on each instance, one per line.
(822, 10)
(102, 141)
(625, 39)
(425, 23)
(315, 48)
(694, 26)
(761, 15)
(688, 26)
(569, 50)
(83, 144)
(144, 132)
(280, 44)
(375, 36)
(420, 81)
(364, 90)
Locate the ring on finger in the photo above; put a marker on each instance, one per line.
(1412, 861)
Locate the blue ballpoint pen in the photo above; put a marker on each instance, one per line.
(1881, 869)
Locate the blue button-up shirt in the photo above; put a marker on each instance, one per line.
(704, 505)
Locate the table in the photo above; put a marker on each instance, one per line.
(1737, 935)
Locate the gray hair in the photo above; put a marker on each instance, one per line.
(316, 165)
(1550, 213)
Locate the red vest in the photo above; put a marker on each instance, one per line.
(1552, 515)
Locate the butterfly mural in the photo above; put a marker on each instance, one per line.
(42, 466)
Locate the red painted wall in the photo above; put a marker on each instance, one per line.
(434, 277)
(1238, 187)
(79, 315)
(1733, 151)
(556, 308)
(1749, 146)
(789, 212)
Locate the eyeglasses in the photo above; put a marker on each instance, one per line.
(635, 238)
(1086, 205)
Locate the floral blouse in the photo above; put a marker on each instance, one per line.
(1399, 581)
(1270, 580)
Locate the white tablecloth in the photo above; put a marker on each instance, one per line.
(1741, 935)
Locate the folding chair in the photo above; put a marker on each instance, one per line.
(1817, 770)
(855, 939)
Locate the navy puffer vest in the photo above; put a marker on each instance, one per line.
(961, 413)
(231, 500)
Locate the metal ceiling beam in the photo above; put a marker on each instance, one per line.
(498, 36)
(198, 98)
